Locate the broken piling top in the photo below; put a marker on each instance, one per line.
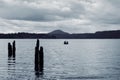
(37, 44)
(41, 49)
(9, 46)
(37, 47)
(14, 44)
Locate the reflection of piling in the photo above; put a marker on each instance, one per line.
(11, 49)
(39, 58)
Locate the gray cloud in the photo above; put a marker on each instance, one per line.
(68, 15)
(105, 11)
(40, 10)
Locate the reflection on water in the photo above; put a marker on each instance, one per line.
(11, 63)
(11, 66)
(39, 75)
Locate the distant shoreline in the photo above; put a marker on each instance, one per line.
(58, 34)
(61, 38)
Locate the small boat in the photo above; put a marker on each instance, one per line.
(65, 42)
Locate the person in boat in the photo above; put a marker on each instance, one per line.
(65, 42)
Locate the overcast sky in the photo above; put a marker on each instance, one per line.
(69, 15)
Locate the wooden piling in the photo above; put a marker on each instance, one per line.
(41, 59)
(36, 55)
(9, 50)
(39, 62)
(14, 49)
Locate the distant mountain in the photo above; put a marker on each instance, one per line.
(58, 32)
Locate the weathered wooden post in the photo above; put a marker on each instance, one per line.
(9, 50)
(36, 55)
(41, 59)
(14, 49)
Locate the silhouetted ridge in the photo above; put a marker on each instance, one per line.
(58, 32)
(108, 32)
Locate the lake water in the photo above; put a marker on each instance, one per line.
(81, 59)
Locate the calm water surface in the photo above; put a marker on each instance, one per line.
(82, 59)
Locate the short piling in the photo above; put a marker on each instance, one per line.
(9, 50)
(41, 59)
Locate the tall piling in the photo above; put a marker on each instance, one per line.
(36, 55)
(14, 49)
(39, 62)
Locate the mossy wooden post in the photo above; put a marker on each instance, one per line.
(9, 50)
(36, 55)
(41, 59)
(14, 49)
